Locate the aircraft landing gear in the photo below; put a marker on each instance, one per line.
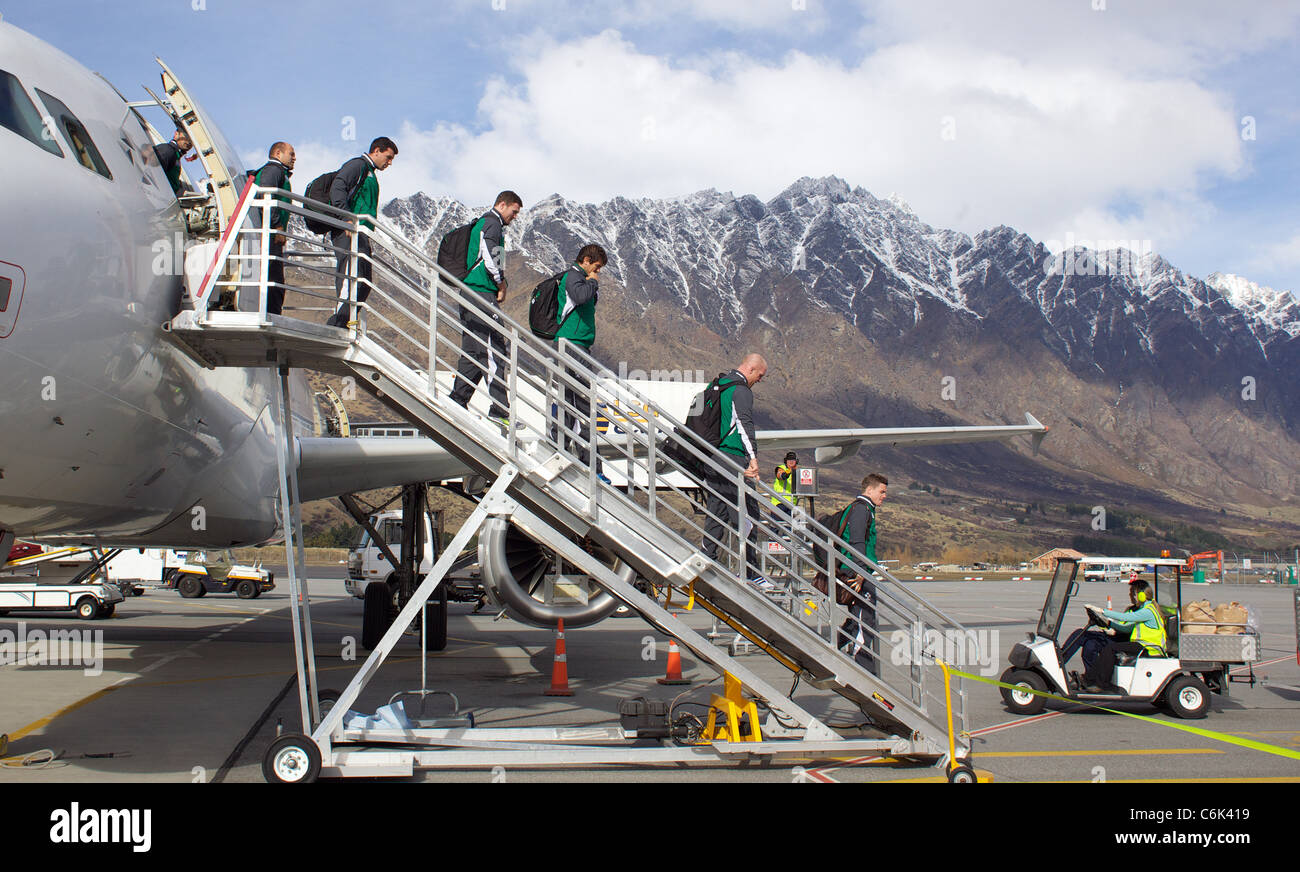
(377, 614)
(383, 600)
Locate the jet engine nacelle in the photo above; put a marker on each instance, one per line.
(514, 570)
(830, 455)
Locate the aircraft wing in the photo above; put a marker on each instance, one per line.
(329, 466)
(836, 446)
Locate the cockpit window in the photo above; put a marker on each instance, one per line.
(18, 113)
(83, 147)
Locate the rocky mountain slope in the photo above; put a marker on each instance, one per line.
(1159, 386)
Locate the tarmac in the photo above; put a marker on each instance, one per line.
(195, 690)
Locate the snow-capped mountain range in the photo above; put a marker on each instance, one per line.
(1118, 315)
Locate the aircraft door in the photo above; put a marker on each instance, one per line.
(12, 281)
(220, 161)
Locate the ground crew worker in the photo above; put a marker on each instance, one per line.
(275, 174)
(784, 483)
(1147, 636)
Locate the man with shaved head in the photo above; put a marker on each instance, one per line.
(733, 393)
(275, 173)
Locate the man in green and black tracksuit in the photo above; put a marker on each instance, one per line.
(738, 449)
(169, 156)
(356, 189)
(483, 349)
(858, 633)
(576, 299)
(275, 173)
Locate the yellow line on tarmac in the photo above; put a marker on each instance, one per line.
(985, 776)
(981, 775)
(1109, 752)
(472, 647)
(1262, 779)
(48, 719)
(1294, 736)
(86, 700)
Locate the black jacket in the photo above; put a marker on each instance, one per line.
(347, 181)
(273, 174)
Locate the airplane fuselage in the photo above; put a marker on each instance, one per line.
(108, 430)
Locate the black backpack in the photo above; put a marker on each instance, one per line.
(837, 521)
(319, 190)
(544, 308)
(453, 251)
(705, 418)
(702, 427)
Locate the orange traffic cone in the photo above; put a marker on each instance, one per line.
(1109, 607)
(560, 671)
(674, 675)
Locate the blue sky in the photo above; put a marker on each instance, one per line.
(1091, 119)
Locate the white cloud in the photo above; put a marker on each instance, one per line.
(1283, 255)
(1045, 145)
(568, 15)
(738, 14)
(1161, 36)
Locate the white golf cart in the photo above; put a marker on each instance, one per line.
(1195, 664)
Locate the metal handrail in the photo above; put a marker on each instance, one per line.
(646, 433)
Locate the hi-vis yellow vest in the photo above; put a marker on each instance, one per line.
(784, 491)
(1152, 640)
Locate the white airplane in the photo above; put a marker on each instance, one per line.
(113, 435)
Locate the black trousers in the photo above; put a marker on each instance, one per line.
(857, 633)
(577, 412)
(1102, 671)
(722, 504)
(342, 259)
(483, 352)
(275, 275)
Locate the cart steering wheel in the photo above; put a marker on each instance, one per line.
(1096, 620)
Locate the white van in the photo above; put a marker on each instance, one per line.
(1102, 572)
(367, 563)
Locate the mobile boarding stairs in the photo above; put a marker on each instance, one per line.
(398, 343)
